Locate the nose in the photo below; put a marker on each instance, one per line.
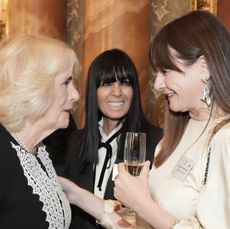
(159, 83)
(116, 89)
(74, 94)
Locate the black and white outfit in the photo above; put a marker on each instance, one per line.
(97, 177)
(30, 195)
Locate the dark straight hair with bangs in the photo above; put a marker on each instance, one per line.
(198, 33)
(110, 66)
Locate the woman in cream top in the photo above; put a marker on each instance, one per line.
(188, 185)
(184, 193)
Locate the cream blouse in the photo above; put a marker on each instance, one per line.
(177, 185)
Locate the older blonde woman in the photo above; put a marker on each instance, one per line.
(36, 97)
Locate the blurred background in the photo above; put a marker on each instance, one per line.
(92, 26)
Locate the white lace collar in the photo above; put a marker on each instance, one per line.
(46, 186)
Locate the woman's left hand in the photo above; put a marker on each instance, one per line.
(132, 191)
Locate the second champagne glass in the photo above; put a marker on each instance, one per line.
(135, 151)
(134, 158)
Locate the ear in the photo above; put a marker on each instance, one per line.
(205, 73)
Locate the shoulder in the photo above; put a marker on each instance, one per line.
(220, 145)
(5, 139)
(222, 137)
(8, 157)
(219, 162)
(4, 147)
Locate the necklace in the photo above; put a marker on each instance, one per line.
(17, 138)
(207, 167)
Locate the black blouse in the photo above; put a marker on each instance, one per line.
(19, 208)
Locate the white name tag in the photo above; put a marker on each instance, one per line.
(183, 168)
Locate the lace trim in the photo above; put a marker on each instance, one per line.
(46, 186)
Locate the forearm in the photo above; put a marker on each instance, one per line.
(155, 215)
(88, 202)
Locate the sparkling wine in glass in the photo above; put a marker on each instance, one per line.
(135, 151)
(134, 156)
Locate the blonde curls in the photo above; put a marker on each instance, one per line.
(28, 67)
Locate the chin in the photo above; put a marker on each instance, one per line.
(174, 109)
(64, 124)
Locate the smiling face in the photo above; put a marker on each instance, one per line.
(184, 89)
(114, 100)
(64, 95)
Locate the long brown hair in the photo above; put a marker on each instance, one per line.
(192, 35)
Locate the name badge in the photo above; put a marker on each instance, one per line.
(183, 168)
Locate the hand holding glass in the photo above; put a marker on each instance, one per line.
(134, 155)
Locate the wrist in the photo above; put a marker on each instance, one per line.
(108, 208)
(145, 202)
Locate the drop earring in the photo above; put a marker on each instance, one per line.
(205, 96)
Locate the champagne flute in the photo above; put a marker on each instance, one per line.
(134, 156)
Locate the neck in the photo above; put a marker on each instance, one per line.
(22, 143)
(200, 115)
(31, 136)
(109, 125)
(206, 113)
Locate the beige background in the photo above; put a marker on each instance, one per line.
(91, 27)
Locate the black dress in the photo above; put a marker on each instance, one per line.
(82, 173)
(19, 207)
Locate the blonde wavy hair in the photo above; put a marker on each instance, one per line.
(28, 65)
